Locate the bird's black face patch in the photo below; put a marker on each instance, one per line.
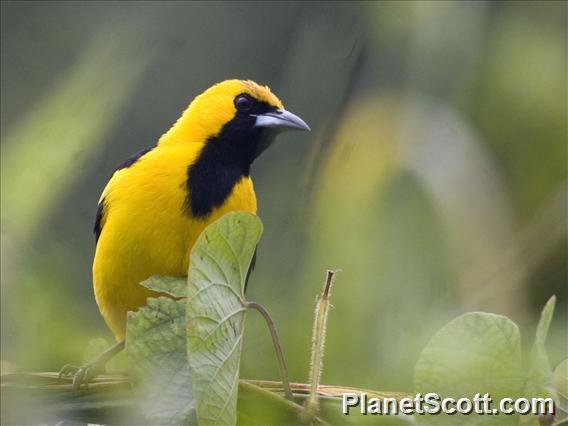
(252, 141)
(226, 158)
(247, 105)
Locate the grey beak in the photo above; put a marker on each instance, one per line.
(281, 120)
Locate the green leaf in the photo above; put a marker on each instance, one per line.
(539, 375)
(560, 379)
(174, 286)
(545, 319)
(155, 343)
(216, 310)
(474, 353)
(560, 384)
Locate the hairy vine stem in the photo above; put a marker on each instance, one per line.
(318, 344)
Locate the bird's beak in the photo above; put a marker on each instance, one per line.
(281, 120)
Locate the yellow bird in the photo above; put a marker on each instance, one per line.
(157, 202)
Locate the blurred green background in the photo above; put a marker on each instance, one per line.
(434, 176)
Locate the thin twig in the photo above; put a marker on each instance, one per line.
(277, 347)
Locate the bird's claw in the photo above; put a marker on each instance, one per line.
(84, 374)
(81, 375)
(67, 370)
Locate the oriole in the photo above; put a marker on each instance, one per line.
(158, 201)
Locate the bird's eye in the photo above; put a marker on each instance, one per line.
(243, 103)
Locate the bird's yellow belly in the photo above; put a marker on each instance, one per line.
(155, 238)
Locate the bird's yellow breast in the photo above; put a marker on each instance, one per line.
(146, 229)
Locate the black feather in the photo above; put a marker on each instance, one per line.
(251, 268)
(134, 158)
(224, 160)
(99, 219)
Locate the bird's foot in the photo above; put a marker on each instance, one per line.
(81, 375)
(84, 374)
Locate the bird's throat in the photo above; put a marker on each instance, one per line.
(221, 164)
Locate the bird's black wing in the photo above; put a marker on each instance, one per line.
(251, 267)
(99, 220)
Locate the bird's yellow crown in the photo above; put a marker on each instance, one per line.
(211, 110)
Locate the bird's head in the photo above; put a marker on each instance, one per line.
(235, 114)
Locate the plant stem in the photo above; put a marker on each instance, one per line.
(291, 405)
(318, 342)
(277, 347)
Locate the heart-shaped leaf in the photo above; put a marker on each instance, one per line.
(474, 353)
(216, 309)
(155, 343)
